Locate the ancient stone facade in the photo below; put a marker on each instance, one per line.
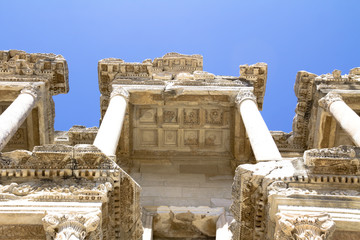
(180, 153)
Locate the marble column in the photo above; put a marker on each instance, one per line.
(109, 132)
(261, 141)
(16, 113)
(343, 114)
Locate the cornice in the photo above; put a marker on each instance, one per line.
(17, 66)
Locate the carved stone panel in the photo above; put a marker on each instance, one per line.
(170, 115)
(214, 116)
(213, 138)
(147, 115)
(170, 137)
(181, 128)
(191, 116)
(191, 137)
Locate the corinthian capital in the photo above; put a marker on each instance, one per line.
(244, 95)
(30, 89)
(326, 101)
(70, 226)
(119, 91)
(305, 226)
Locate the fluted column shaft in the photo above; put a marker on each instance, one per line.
(109, 132)
(16, 113)
(343, 114)
(261, 141)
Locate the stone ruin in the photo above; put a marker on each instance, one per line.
(180, 153)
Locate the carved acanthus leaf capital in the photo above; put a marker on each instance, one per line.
(304, 226)
(245, 95)
(70, 226)
(326, 101)
(120, 91)
(30, 89)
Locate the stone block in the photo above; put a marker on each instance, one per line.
(205, 169)
(161, 191)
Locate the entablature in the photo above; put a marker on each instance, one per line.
(19, 66)
(59, 178)
(309, 88)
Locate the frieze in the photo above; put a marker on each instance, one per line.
(284, 141)
(81, 135)
(340, 160)
(336, 77)
(16, 65)
(282, 188)
(46, 190)
(182, 70)
(80, 156)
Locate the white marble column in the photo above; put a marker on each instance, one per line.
(343, 114)
(16, 113)
(261, 141)
(109, 132)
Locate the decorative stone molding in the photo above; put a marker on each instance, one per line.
(82, 135)
(257, 75)
(336, 74)
(31, 90)
(355, 72)
(16, 65)
(284, 142)
(330, 98)
(337, 160)
(281, 188)
(71, 226)
(176, 62)
(57, 190)
(305, 226)
(120, 91)
(112, 68)
(244, 95)
(82, 156)
(249, 200)
(305, 87)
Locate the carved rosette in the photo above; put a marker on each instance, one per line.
(119, 91)
(245, 95)
(326, 101)
(71, 226)
(30, 89)
(304, 227)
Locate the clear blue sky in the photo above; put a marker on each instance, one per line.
(317, 36)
